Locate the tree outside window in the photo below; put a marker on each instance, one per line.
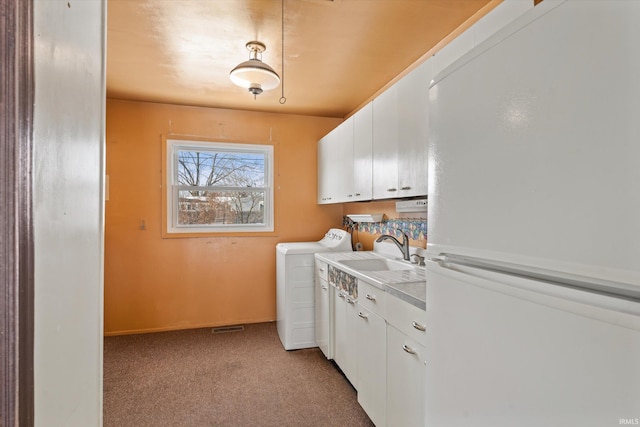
(220, 187)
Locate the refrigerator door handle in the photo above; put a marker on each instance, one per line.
(588, 284)
(623, 311)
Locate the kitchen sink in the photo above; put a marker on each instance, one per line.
(376, 264)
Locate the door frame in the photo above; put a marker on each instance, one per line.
(16, 226)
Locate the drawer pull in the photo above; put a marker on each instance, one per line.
(324, 288)
(370, 297)
(361, 314)
(408, 349)
(392, 189)
(418, 326)
(406, 188)
(351, 301)
(341, 296)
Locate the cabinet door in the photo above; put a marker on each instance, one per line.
(323, 170)
(335, 165)
(340, 331)
(352, 340)
(413, 128)
(408, 318)
(329, 156)
(344, 163)
(454, 50)
(362, 153)
(371, 365)
(405, 380)
(385, 144)
(322, 316)
(344, 354)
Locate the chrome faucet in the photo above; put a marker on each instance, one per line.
(404, 246)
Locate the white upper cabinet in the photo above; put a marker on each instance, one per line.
(335, 165)
(344, 165)
(498, 18)
(400, 128)
(452, 51)
(344, 160)
(323, 169)
(385, 144)
(329, 167)
(362, 153)
(413, 130)
(381, 151)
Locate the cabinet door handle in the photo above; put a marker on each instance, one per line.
(351, 301)
(349, 195)
(406, 188)
(392, 189)
(408, 349)
(324, 288)
(341, 295)
(357, 194)
(418, 326)
(370, 297)
(361, 314)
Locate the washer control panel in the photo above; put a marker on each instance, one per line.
(337, 239)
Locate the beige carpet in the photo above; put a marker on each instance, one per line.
(197, 378)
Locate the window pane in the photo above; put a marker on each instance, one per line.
(199, 207)
(218, 168)
(217, 187)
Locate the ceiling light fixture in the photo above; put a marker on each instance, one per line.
(254, 74)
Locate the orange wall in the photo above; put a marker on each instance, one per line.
(154, 284)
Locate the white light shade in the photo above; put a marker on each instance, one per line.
(255, 72)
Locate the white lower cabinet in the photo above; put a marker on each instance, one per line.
(323, 311)
(405, 380)
(371, 365)
(379, 344)
(345, 349)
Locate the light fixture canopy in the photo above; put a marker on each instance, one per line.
(255, 75)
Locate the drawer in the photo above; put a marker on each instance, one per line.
(372, 298)
(408, 318)
(322, 270)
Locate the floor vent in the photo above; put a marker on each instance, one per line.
(224, 329)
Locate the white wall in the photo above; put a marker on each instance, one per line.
(69, 49)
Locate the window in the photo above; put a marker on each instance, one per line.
(219, 187)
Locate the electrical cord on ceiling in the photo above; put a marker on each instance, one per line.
(282, 98)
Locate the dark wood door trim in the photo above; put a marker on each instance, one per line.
(16, 231)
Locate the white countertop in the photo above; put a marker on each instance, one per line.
(414, 293)
(409, 285)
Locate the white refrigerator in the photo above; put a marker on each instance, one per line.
(533, 288)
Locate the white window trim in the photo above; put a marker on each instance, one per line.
(175, 145)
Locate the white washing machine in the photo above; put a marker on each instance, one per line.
(295, 278)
